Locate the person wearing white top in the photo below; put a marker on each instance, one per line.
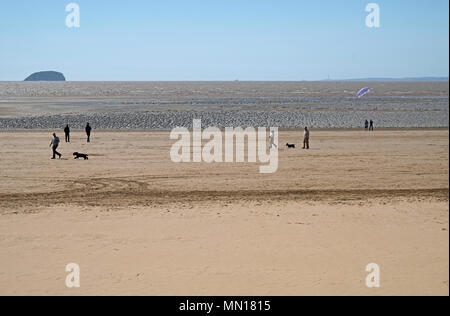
(272, 140)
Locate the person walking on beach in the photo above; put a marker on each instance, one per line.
(88, 132)
(272, 140)
(366, 125)
(54, 144)
(306, 138)
(67, 133)
(371, 128)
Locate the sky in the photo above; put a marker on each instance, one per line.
(203, 40)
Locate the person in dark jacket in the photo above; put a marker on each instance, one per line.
(67, 133)
(306, 138)
(88, 132)
(54, 144)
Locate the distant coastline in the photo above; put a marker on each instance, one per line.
(412, 79)
(405, 79)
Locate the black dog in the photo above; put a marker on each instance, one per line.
(78, 155)
(290, 145)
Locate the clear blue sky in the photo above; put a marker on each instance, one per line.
(224, 39)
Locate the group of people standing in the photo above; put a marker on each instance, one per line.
(55, 141)
(369, 125)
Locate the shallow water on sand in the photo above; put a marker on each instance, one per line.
(165, 105)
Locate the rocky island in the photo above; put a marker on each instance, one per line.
(46, 76)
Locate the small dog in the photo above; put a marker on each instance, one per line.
(78, 155)
(290, 145)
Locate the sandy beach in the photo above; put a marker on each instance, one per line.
(224, 154)
(139, 224)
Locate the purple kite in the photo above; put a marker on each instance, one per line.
(363, 92)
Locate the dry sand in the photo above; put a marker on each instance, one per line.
(137, 223)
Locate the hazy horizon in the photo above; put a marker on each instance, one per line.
(382, 79)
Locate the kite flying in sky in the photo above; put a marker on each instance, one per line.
(363, 92)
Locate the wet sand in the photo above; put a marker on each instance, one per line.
(137, 223)
(166, 105)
